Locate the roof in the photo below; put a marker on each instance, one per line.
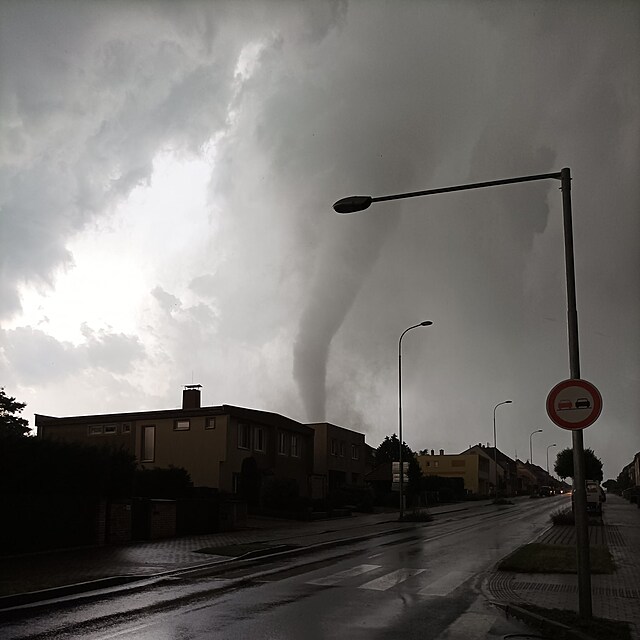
(256, 415)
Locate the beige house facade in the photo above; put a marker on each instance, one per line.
(215, 444)
(340, 458)
(474, 468)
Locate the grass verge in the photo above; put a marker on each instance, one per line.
(555, 558)
(596, 628)
(236, 550)
(416, 516)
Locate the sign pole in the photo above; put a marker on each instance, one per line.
(579, 489)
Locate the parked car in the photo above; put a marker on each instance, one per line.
(595, 498)
(545, 491)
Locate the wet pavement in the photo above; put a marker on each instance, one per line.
(615, 596)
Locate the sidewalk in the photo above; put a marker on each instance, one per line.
(615, 596)
(88, 568)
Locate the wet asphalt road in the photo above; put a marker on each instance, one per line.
(423, 583)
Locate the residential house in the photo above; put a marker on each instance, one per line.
(541, 477)
(340, 458)
(496, 472)
(473, 466)
(221, 447)
(509, 476)
(527, 481)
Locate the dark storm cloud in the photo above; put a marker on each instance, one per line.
(38, 358)
(86, 105)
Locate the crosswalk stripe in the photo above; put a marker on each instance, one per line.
(390, 579)
(335, 578)
(446, 584)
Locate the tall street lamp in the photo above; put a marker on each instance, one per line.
(495, 448)
(549, 447)
(359, 203)
(426, 323)
(531, 444)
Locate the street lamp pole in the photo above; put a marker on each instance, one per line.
(549, 447)
(426, 323)
(531, 444)
(495, 449)
(353, 204)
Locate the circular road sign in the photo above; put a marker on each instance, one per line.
(574, 404)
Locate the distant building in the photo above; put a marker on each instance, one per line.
(474, 467)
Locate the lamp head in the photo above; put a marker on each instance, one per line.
(426, 323)
(352, 204)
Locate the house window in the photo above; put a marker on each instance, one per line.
(334, 447)
(243, 436)
(295, 452)
(282, 443)
(96, 430)
(355, 452)
(181, 425)
(341, 449)
(210, 423)
(110, 429)
(436, 464)
(126, 427)
(258, 439)
(148, 443)
(235, 483)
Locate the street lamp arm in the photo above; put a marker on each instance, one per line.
(353, 204)
(426, 323)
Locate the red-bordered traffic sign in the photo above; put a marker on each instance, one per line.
(574, 404)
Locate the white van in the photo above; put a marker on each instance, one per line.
(595, 497)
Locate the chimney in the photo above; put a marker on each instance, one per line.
(441, 452)
(191, 396)
(432, 452)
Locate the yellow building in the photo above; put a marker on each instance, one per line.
(474, 468)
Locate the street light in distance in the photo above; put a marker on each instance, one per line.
(426, 323)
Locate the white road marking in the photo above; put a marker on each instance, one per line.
(335, 578)
(391, 579)
(469, 626)
(446, 584)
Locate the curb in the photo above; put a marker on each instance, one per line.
(557, 630)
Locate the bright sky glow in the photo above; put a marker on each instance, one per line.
(151, 238)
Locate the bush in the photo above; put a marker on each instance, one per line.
(562, 517)
(280, 493)
(172, 483)
(417, 515)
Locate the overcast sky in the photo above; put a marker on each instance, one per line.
(167, 175)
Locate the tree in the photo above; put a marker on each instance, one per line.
(389, 451)
(11, 424)
(564, 465)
